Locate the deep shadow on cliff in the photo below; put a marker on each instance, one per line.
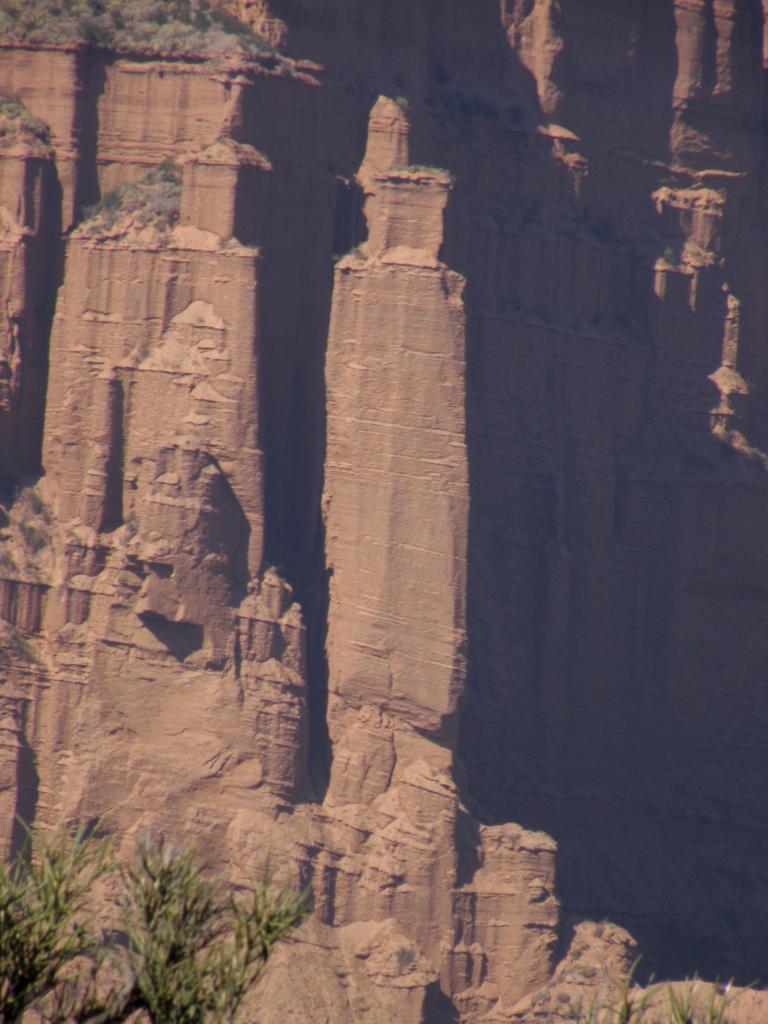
(614, 608)
(615, 600)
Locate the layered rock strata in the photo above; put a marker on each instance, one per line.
(402, 485)
(478, 900)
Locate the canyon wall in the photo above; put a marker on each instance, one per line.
(382, 493)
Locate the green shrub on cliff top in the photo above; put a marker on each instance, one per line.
(189, 27)
(153, 198)
(16, 122)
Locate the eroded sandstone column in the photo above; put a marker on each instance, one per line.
(396, 475)
(160, 598)
(473, 899)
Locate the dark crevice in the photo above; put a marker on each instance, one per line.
(21, 448)
(179, 638)
(350, 229)
(112, 515)
(438, 1007)
(295, 283)
(27, 791)
(241, 569)
(581, 716)
(91, 81)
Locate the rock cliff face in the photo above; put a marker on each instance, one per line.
(382, 477)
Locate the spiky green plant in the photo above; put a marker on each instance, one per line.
(693, 1002)
(193, 952)
(188, 952)
(44, 919)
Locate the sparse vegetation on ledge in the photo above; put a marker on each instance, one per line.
(429, 169)
(16, 122)
(689, 1002)
(174, 27)
(25, 531)
(152, 199)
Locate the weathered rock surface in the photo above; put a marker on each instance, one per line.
(388, 497)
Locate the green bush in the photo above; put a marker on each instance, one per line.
(35, 538)
(154, 198)
(18, 646)
(191, 27)
(195, 953)
(16, 122)
(43, 920)
(7, 562)
(187, 951)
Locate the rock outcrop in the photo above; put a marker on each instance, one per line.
(382, 476)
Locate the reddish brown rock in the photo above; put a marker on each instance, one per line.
(433, 570)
